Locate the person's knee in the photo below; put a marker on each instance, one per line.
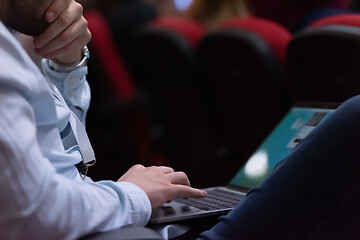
(351, 104)
(348, 113)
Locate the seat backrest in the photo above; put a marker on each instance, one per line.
(108, 58)
(244, 63)
(169, 75)
(324, 59)
(125, 17)
(166, 44)
(350, 19)
(116, 121)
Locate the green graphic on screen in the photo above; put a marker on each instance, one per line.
(294, 127)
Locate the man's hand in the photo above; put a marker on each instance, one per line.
(161, 184)
(66, 35)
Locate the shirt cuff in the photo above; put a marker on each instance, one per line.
(140, 203)
(73, 85)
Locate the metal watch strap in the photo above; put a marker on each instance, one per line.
(65, 69)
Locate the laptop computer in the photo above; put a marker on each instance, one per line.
(295, 126)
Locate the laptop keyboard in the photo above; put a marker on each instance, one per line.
(215, 199)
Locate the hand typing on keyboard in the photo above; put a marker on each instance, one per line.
(161, 184)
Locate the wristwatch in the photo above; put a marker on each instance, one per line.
(65, 69)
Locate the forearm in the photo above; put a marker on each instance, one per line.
(37, 202)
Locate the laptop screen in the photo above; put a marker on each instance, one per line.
(294, 127)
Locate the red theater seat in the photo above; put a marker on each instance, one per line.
(168, 71)
(324, 59)
(244, 63)
(116, 122)
(343, 19)
(103, 45)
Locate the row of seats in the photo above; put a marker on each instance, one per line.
(215, 96)
(201, 98)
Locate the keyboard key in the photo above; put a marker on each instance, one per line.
(185, 208)
(168, 210)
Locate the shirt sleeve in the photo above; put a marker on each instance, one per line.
(74, 88)
(36, 201)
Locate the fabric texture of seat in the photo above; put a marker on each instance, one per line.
(169, 76)
(125, 18)
(323, 59)
(116, 114)
(340, 19)
(244, 64)
(103, 44)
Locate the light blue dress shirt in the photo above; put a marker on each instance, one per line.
(42, 195)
